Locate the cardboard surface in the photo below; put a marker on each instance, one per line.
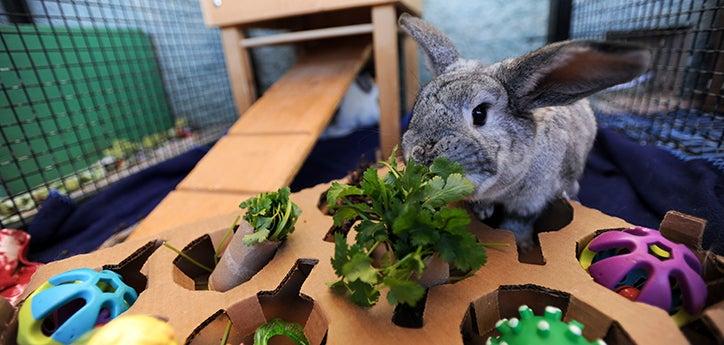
(494, 291)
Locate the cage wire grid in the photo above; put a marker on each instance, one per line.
(93, 91)
(677, 104)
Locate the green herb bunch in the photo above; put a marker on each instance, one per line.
(272, 215)
(278, 327)
(407, 213)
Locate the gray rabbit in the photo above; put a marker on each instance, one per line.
(521, 128)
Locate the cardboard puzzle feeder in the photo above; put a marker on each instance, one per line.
(293, 286)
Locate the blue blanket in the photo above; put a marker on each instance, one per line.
(641, 183)
(84, 227)
(624, 179)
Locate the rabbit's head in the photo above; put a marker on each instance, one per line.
(481, 115)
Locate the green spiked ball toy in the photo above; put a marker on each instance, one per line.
(548, 329)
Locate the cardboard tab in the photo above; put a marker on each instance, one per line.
(683, 228)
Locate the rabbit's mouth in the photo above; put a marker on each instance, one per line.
(482, 181)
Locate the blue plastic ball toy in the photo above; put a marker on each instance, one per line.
(72, 303)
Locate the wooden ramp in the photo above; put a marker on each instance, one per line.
(265, 148)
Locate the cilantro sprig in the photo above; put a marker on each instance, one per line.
(406, 214)
(272, 215)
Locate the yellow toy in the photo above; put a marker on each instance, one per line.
(132, 330)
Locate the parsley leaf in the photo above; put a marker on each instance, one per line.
(402, 219)
(272, 215)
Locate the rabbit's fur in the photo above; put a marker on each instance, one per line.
(538, 130)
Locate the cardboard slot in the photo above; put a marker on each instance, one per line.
(410, 317)
(700, 333)
(188, 274)
(285, 302)
(481, 316)
(130, 268)
(556, 216)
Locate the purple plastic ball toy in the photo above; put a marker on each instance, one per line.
(673, 261)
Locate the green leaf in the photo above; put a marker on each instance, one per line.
(424, 236)
(339, 191)
(278, 327)
(462, 251)
(441, 192)
(405, 220)
(341, 253)
(443, 167)
(369, 232)
(256, 237)
(359, 267)
(371, 183)
(403, 291)
(344, 214)
(272, 212)
(363, 294)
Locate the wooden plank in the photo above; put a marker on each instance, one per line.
(307, 35)
(384, 19)
(305, 98)
(412, 71)
(238, 12)
(184, 207)
(250, 163)
(239, 69)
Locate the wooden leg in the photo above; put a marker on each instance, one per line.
(412, 72)
(384, 21)
(238, 65)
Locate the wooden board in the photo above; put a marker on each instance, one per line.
(237, 12)
(304, 100)
(183, 207)
(238, 66)
(384, 20)
(249, 163)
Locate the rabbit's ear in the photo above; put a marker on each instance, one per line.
(565, 72)
(437, 46)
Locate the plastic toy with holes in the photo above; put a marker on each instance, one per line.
(642, 265)
(71, 304)
(548, 329)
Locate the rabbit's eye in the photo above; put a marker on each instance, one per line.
(480, 114)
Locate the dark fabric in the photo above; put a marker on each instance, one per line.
(118, 206)
(51, 215)
(334, 158)
(641, 183)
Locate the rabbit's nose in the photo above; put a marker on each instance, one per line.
(421, 155)
(418, 154)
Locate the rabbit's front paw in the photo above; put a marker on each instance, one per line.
(483, 210)
(522, 228)
(525, 243)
